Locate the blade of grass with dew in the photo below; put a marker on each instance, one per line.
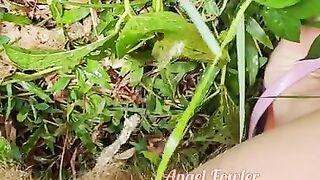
(205, 82)
(241, 74)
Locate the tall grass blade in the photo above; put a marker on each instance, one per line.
(241, 74)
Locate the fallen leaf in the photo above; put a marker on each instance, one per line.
(156, 145)
(10, 30)
(33, 37)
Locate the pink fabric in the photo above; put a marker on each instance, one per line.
(299, 71)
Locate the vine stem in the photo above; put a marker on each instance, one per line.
(205, 82)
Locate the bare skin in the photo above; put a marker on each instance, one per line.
(291, 150)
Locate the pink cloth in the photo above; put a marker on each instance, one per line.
(298, 71)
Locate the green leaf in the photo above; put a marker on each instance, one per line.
(61, 84)
(163, 87)
(10, 104)
(252, 60)
(4, 39)
(41, 106)
(211, 8)
(32, 140)
(31, 87)
(255, 30)
(96, 74)
(152, 157)
(186, 43)
(74, 15)
(50, 140)
(278, 3)
(20, 20)
(282, 24)
(80, 128)
(314, 51)
(136, 74)
(40, 60)
(23, 114)
(98, 104)
(304, 9)
(241, 56)
(83, 85)
(56, 9)
(144, 25)
(5, 148)
(182, 67)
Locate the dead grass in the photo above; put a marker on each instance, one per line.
(115, 171)
(13, 173)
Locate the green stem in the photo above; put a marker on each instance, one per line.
(157, 5)
(204, 84)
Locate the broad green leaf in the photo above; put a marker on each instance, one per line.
(15, 153)
(182, 43)
(40, 60)
(61, 84)
(182, 67)
(252, 60)
(96, 74)
(152, 157)
(282, 24)
(163, 87)
(258, 33)
(278, 3)
(23, 113)
(136, 74)
(74, 15)
(314, 51)
(83, 85)
(42, 106)
(31, 87)
(17, 19)
(211, 8)
(304, 9)
(144, 25)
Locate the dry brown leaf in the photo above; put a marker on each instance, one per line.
(76, 31)
(40, 12)
(34, 37)
(11, 132)
(156, 145)
(10, 30)
(37, 37)
(87, 25)
(6, 68)
(73, 162)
